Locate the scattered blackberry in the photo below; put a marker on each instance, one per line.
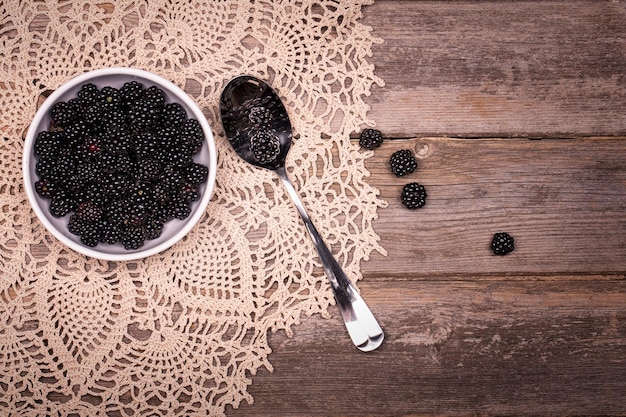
(115, 184)
(402, 162)
(77, 132)
(265, 146)
(167, 138)
(91, 114)
(87, 172)
(370, 139)
(502, 243)
(91, 147)
(121, 166)
(413, 196)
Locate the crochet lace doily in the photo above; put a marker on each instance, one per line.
(182, 332)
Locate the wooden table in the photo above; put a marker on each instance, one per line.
(469, 87)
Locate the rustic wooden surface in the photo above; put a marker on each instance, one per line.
(541, 331)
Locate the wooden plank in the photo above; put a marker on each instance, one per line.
(564, 201)
(499, 68)
(458, 348)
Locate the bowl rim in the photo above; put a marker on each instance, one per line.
(28, 152)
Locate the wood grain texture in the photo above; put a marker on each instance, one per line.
(499, 68)
(563, 201)
(458, 348)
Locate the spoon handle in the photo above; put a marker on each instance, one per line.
(364, 330)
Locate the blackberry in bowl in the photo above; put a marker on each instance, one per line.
(119, 164)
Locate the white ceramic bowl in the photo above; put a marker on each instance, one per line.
(173, 230)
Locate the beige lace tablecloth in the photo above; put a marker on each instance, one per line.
(182, 332)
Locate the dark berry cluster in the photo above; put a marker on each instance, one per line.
(402, 162)
(370, 139)
(502, 243)
(413, 195)
(265, 146)
(120, 163)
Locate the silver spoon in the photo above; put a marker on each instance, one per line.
(258, 128)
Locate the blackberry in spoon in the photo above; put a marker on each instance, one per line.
(257, 126)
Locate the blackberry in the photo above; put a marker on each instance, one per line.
(89, 211)
(89, 95)
(192, 133)
(140, 194)
(133, 237)
(177, 158)
(196, 173)
(47, 143)
(502, 243)
(167, 138)
(91, 147)
(190, 193)
(118, 141)
(131, 92)
(111, 97)
(63, 114)
(142, 116)
(76, 225)
(153, 229)
(260, 116)
(148, 170)
(91, 114)
(94, 193)
(265, 146)
(90, 235)
(154, 97)
(181, 208)
(87, 172)
(402, 162)
(145, 145)
(60, 204)
(115, 184)
(113, 118)
(160, 195)
(413, 196)
(44, 188)
(174, 115)
(370, 139)
(77, 132)
(109, 233)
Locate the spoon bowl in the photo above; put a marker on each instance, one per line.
(257, 126)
